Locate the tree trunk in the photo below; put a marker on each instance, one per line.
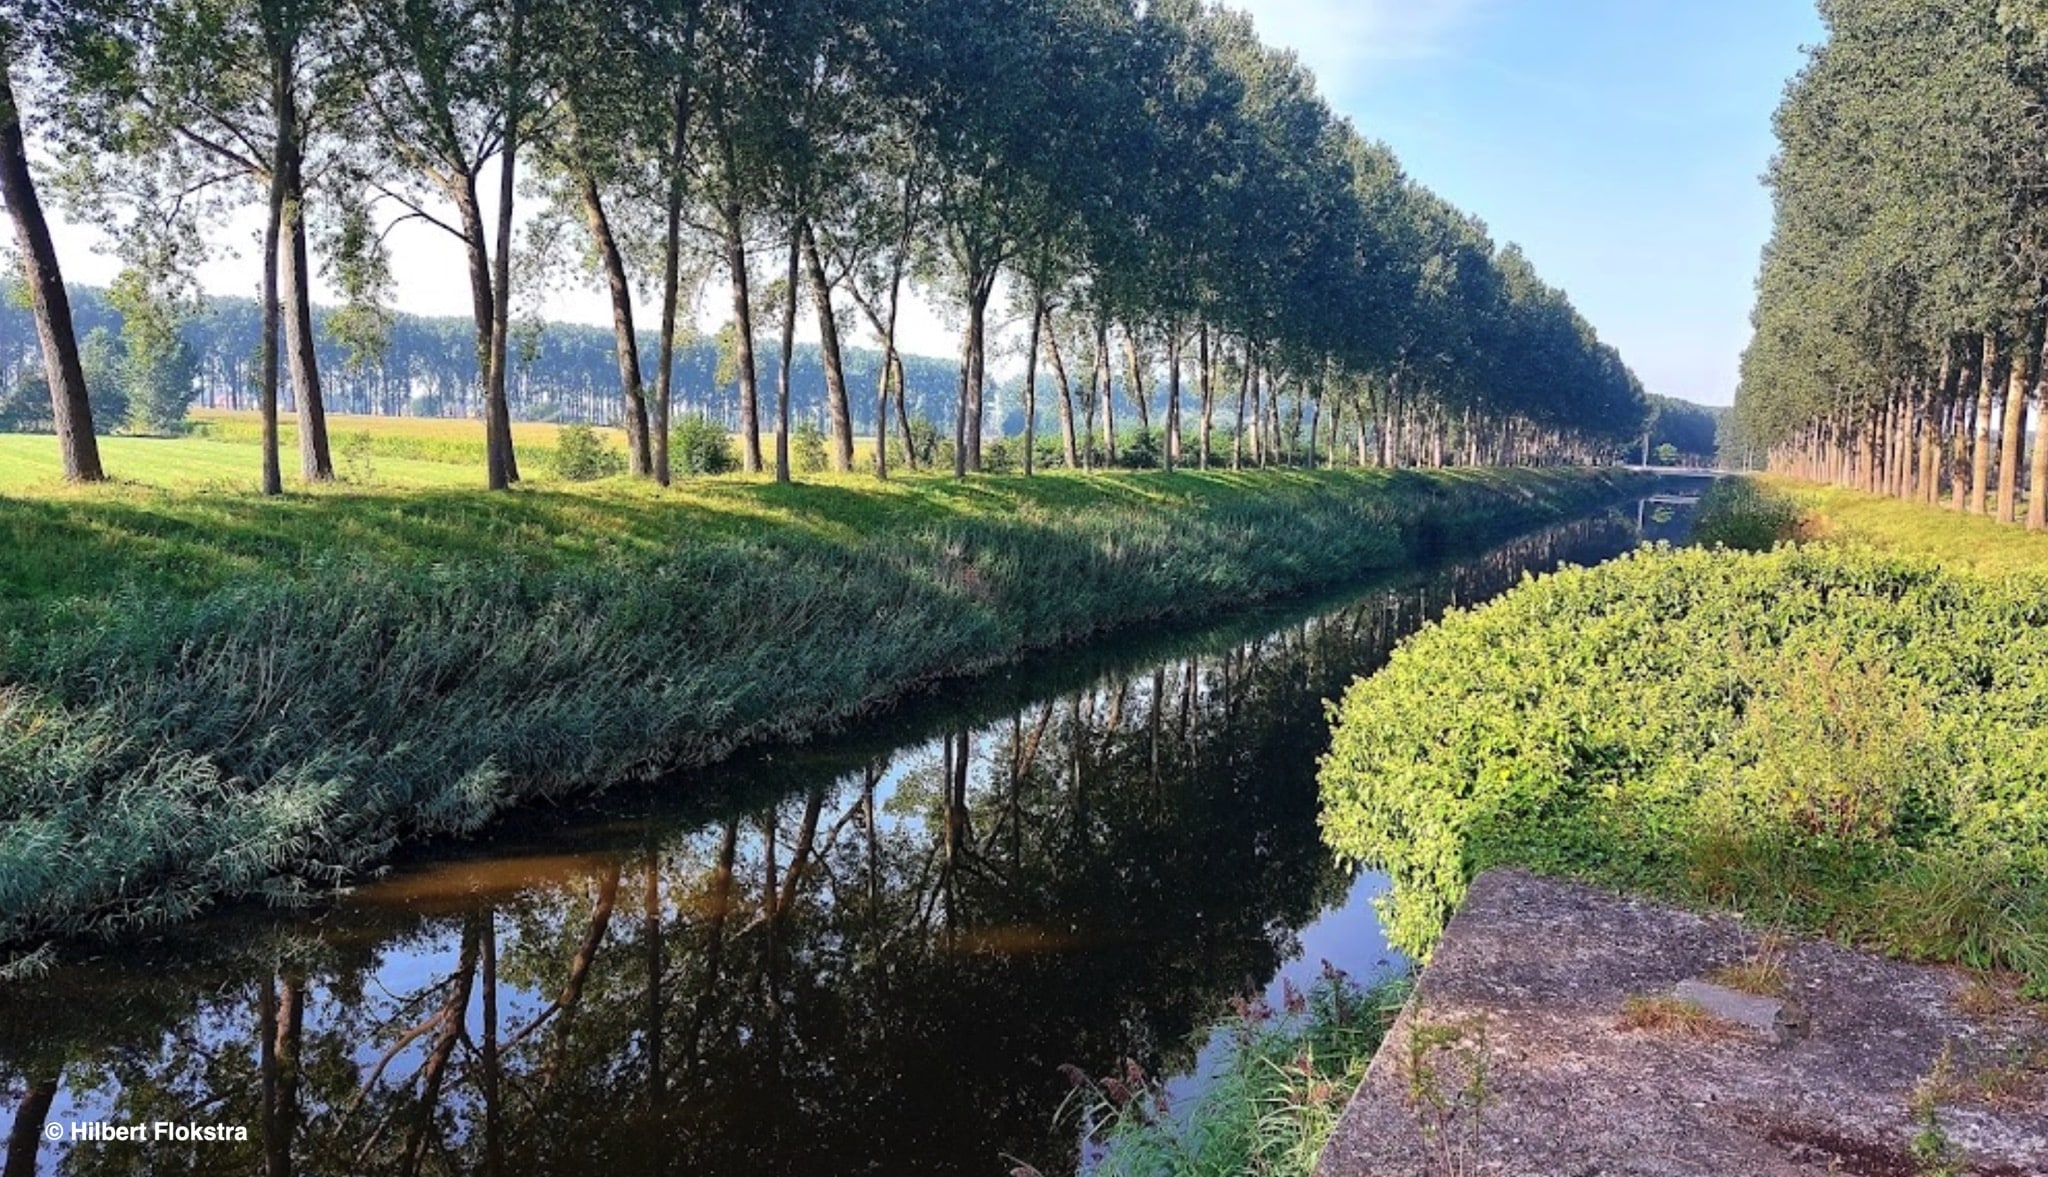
(267, 351)
(70, 409)
(504, 465)
(1031, 386)
(782, 378)
(625, 339)
(671, 284)
(2037, 461)
(1105, 370)
(1980, 458)
(1068, 437)
(1173, 349)
(973, 373)
(840, 409)
(1137, 388)
(743, 327)
(1207, 360)
(316, 459)
(2013, 435)
(1244, 392)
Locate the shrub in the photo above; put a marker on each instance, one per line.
(582, 456)
(1799, 733)
(1000, 457)
(1139, 451)
(807, 449)
(357, 453)
(701, 447)
(1737, 513)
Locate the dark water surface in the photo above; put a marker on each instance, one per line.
(868, 956)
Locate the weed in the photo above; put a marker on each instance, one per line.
(1931, 1149)
(1761, 973)
(1271, 1107)
(1446, 1069)
(1664, 1014)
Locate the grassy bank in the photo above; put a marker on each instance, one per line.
(212, 695)
(1960, 541)
(1829, 737)
(1269, 1109)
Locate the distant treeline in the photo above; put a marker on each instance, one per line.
(560, 371)
(1692, 431)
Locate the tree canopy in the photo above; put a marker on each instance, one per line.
(1900, 306)
(1169, 203)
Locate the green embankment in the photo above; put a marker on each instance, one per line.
(212, 695)
(1832, 737)
(1974, 542)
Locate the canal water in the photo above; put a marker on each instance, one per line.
(872, 955)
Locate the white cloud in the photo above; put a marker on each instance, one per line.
(1345, 40)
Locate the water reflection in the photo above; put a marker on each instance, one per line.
(863, 958)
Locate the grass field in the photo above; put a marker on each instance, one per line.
(1964, 541)
(223, 452)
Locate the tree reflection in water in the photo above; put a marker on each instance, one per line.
(873, 966)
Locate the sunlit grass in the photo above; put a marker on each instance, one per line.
(1966, 541)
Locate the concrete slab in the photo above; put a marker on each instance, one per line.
(1515, 1056)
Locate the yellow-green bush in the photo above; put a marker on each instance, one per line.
(1842, 740)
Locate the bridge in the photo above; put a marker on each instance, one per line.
(1683, 472)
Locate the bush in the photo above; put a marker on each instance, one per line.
(1139, 451)
(1000, 457)
(807, 449)
(582, 456)
(1737, 513)
(1798, 734)
(701, 447)
(925, 444)
(358, 463)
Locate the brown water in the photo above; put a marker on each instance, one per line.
(868, 956)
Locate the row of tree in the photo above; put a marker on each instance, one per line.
(1899, 324)
(1108, 176)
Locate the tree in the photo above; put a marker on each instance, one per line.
(449, 89)
(70, 406)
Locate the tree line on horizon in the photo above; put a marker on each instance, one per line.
(1900, 316)
(425, 366)
(1152, 195)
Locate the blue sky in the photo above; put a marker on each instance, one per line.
(1619, 141)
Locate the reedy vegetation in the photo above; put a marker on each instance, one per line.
(1268, 1111)
(174, 731)
(1899, 322)
(1834, 738)
(1145, 189)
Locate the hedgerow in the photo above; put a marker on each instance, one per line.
(1830, 738)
